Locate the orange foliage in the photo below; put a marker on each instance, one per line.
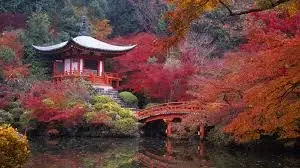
(261, 83)
(271, 81)
(102, 29)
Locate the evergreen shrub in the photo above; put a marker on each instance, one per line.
(129, 98)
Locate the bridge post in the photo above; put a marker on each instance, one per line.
(201, 132)
(169, 127)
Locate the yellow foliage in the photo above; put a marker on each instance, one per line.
(13, 147)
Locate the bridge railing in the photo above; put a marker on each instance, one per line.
(171, 107)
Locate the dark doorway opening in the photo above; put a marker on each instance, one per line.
(91, 66)
(155, 128)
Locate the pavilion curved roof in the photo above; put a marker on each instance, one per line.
(85, 42)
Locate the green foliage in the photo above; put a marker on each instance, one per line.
(13, 147)
(14, 104)
(37, 33)
(101, 99)
(38, 29)
(110, 106)
(7, 54)
(126, 125)
(122, 119)
(162, 27)
(89, 116)
(67, 23)
(98, 8)
(113, 109)
(125, 113)
(13, 115)
(123, 17)
(5, 117)
(16, 113)
(25, 121)
(129, 98)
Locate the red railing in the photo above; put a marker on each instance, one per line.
(169, 108)
(107, 78)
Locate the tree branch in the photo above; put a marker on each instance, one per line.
(236, 13)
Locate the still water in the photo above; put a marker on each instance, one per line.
(146, 152)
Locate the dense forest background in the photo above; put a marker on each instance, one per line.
(238, 58)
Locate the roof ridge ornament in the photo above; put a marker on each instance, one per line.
(84, 27)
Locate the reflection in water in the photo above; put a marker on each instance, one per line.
(136, 153)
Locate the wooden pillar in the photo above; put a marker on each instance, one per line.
(100, 68)
(201, 149)
(81, 65)
(71, 63)
(169, 147)
(78, 65)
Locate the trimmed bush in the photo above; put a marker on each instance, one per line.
(101, 99)
(125, 113)
(129, 98)
(6, 117)
(13, 147)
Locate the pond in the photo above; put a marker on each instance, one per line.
(146, 152)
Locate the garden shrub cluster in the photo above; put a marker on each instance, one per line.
(13, 114)
(13, 147)
(107, 111)
(129, 98)
(62, 106)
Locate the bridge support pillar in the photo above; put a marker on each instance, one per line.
(169, 127)
(201, 132)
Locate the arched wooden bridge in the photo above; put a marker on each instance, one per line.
(170, 111)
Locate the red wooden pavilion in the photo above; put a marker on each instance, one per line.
(83, 57)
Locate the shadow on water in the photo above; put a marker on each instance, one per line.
(145, 152)
(156, 128)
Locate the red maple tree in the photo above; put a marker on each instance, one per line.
(145, 71)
